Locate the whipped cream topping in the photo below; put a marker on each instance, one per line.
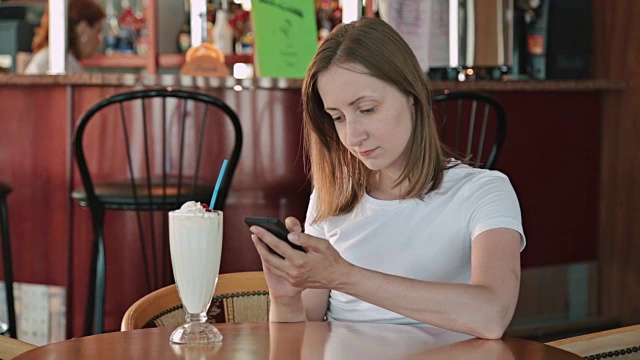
(193, 208)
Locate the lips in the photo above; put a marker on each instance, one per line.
(367, 153)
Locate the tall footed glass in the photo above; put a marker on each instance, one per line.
(195, 240)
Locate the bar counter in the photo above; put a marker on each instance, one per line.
(551, 155)
(131, 80)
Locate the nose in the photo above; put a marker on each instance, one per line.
(356, 132)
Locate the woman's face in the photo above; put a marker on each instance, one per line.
(374, 119)
(89, 38)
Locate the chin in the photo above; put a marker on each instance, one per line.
(373, 165)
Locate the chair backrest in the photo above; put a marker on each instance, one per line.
(621, 343)
(471, 124)
(10, 348)
(167, 144)
(239, 297)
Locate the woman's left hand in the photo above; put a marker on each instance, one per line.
(321, 267)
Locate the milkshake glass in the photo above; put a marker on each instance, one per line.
(195, 240)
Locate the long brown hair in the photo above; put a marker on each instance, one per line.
(78, 11)
(338, 177)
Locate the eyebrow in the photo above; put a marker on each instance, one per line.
(352, 102)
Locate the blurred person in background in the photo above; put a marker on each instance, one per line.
(85, 22)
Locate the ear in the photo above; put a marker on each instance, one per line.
(82, 29)
(411, 101)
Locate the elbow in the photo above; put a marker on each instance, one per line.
(494, 327)
(491, 332)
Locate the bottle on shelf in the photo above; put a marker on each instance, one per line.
(184, 36)
(245, 44)
(111, 34)
(222, 32)
(129, 23)
(140, 25)
(211, 12)
(142, 44)
(112, 28)
(240, 22)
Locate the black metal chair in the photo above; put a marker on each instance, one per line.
(457, 115)
(6, 259)
(173, 145)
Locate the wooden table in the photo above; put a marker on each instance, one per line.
(313, 340)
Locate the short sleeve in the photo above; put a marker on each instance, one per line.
(493, 204)
(311, 228)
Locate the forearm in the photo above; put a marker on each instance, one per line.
(472, 309)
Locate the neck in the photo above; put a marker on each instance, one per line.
(382, 186)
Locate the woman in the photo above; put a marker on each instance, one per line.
(86, 18)
(395, 232)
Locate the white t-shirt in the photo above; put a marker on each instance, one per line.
(39, 64)
(427, 239)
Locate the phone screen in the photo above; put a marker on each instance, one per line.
(274, 226)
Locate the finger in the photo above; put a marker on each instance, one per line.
(266, 253)
(275, 271)
(277, 245)
(273, 263)
(261, 247)
(293, 224)
(309, 242)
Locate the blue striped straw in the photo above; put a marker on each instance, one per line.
(223, 169)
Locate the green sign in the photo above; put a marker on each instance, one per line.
(286, 37)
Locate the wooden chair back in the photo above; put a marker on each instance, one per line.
(10, 347)
(239, 297)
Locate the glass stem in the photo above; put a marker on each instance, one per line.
(192, 318)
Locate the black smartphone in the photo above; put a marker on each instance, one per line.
(274, 226)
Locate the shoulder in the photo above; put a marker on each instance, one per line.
(312, 227)
(471, 179)
(312, 207)
(73, 65)
(39, 63)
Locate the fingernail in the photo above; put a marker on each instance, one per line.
(253, 229)
(293, 237)
(297, 228)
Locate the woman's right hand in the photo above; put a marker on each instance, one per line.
(279, 288)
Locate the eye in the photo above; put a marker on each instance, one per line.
(336, 117)
(368, 111)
